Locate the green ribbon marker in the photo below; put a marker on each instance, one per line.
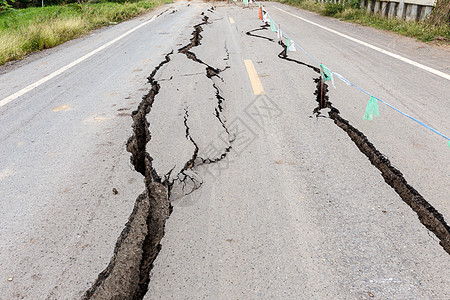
(272, 26)
(372, 109)
(288, 41)
(325, 73)
(448, 143)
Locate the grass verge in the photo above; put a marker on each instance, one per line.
(31, 29)
(420, 30)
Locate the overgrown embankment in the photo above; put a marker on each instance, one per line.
(23, 31)
(425, 31)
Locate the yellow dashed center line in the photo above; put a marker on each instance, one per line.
(254, 78)
(231, 20)
(61, 108)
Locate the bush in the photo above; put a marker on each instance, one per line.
(292, 2)
(332, 9)
(436, 28)
(356, 4)
(5, 5)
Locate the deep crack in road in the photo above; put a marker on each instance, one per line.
(243, 179)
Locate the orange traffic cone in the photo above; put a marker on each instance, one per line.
(260, 13)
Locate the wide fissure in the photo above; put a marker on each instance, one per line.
(127, 275)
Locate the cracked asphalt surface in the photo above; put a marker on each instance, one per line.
(153, 171)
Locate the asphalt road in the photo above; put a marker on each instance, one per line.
(270, 200)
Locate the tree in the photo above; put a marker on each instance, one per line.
(441, 13)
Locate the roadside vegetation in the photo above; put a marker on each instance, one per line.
(25, 30)
(436, 28)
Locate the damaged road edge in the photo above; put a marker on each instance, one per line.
(128, 274)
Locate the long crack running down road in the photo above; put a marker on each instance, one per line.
(237, 171)
(127, 278)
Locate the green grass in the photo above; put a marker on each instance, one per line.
(419, 30)
(27, 30)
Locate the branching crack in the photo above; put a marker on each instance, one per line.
(190, 163)
(183, 176)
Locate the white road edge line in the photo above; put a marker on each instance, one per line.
(399, 57)
(32, 86)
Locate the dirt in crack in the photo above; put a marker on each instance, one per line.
(128, 274)
(427, 214)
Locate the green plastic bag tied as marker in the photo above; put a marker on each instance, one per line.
(325, 73)
(272, 26)
(372, 109)
(246, 2)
